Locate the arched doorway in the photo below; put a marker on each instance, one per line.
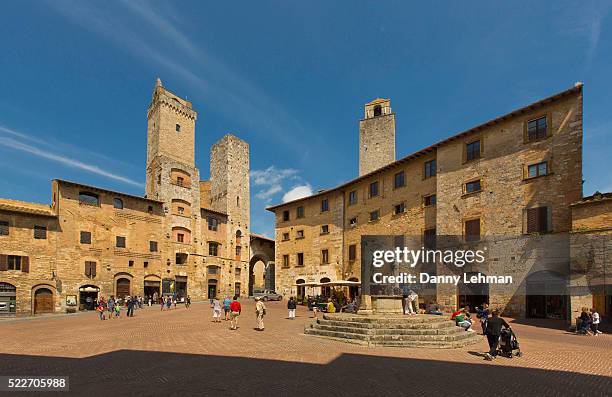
(88, 295)
(8, 299)
(212, 288)
(257, 273)
(353, 289)
(123, 288)
(472, 295)
(43, 301)
(152, 287)
(301, 290)
(547, 295)
(325, 291)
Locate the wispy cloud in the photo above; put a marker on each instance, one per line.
(25, 143)
(270, 181)
(298, 192)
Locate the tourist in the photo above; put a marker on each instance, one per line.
(188, 302)
(315, 308)
(235, 309)
(117, 311)
(463, 320)
(434, 309)
(493, 332)
(585, 321)
(291, 305)
(162, 302)
(226, 307)
(111, 306)
(130, 307)
(260, 312)
(595, 319)
(100, 309)
(168, 302)
(349, 307)
(330, 306)
(216, 306)
(483, 315)
(411, 298)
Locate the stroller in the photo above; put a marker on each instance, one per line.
(508, 344)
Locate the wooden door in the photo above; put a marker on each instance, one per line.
(123, 287)
(43, 301)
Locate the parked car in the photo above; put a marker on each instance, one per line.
(267, 295)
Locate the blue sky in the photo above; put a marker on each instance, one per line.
(291, 78)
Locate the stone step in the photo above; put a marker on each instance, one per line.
(389, 325)
(359, 339)
(432, 338)
(388, 331)
(336, 334)
(389, 319)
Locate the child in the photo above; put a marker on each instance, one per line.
(216, 306)
(595, 322)
(100, 310)
(117, 311)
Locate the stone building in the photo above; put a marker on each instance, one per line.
(184, 237)
(508, 183)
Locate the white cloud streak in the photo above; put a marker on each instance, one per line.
(20, 145)
(270, 181)
(298, 192)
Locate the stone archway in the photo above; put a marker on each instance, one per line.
(261, 250)
(260, 262)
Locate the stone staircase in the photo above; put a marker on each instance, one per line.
(436, 332)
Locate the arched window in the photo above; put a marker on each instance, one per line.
(118, 203)
(377, 110)
(88, 198)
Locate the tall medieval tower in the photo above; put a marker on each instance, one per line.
(229, 175)
(376, 136)
(173, 178)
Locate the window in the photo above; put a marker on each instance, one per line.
(212, 269)
(90, 269)
(177, 127)
(285, 236)
(89, 199)
(131, 263)
(399, 208)
(40, 232)
(180, 210)
(399, 180)
(535, 170)
(374, 216)
(537, 220)
(353, 197)
(352, 252)
(213, 249)
(536, 129)
(353, 222)
(285, 261)
(120, 242)
(237, 271)
(429, 200)
(14, 262)
(472, 187)
(238, 252)
(472, 230)
(181, 258)
(285, 215)
(180, 181)
(429, 238)
(85, 237)
(373, 192)
(472, 151)
(152, 246)
(430, 169)
(118, 203)
(4, 228)
(377, 110)
(324, 257)
(300, 212)
(324, 205)
(213, 223)
(300, 259)
(180, 237)
(324, 229)
(299, 234)
(238, 201)
(145, 264)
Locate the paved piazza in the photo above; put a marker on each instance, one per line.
(181, 352)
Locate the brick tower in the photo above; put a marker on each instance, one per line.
(376, 136)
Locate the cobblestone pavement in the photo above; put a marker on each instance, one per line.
(181, 352)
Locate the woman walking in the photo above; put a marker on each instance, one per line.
(216, 306)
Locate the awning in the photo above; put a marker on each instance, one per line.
(89, 289)
(341, 283)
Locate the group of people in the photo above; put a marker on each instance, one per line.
(232, 309)
(333, 304)
(167, 302)
(588, 322)
(113, 306)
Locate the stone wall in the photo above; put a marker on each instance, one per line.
(376, 139)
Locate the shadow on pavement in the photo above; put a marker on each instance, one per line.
(140, 373)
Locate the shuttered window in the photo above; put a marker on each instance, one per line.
(373, 192)
(14, 262)
(90, 269)
(430, 169)
(285, 261)
(85, 237)
(537, 220)
(324, 256)
(4, 228)
(352, 252)
(300, 259)
(152, 246)
(40, 232)
(3, 262)
(472, 230)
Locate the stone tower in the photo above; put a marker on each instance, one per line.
(229, 175)
(376, 136)
(173, 178)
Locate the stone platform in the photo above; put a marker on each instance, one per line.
(437, 332)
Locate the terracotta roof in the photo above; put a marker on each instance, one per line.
(597, 197)
(575, 89)
(214, 211)
(260, 236)
(62, 181)
(25, 207)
